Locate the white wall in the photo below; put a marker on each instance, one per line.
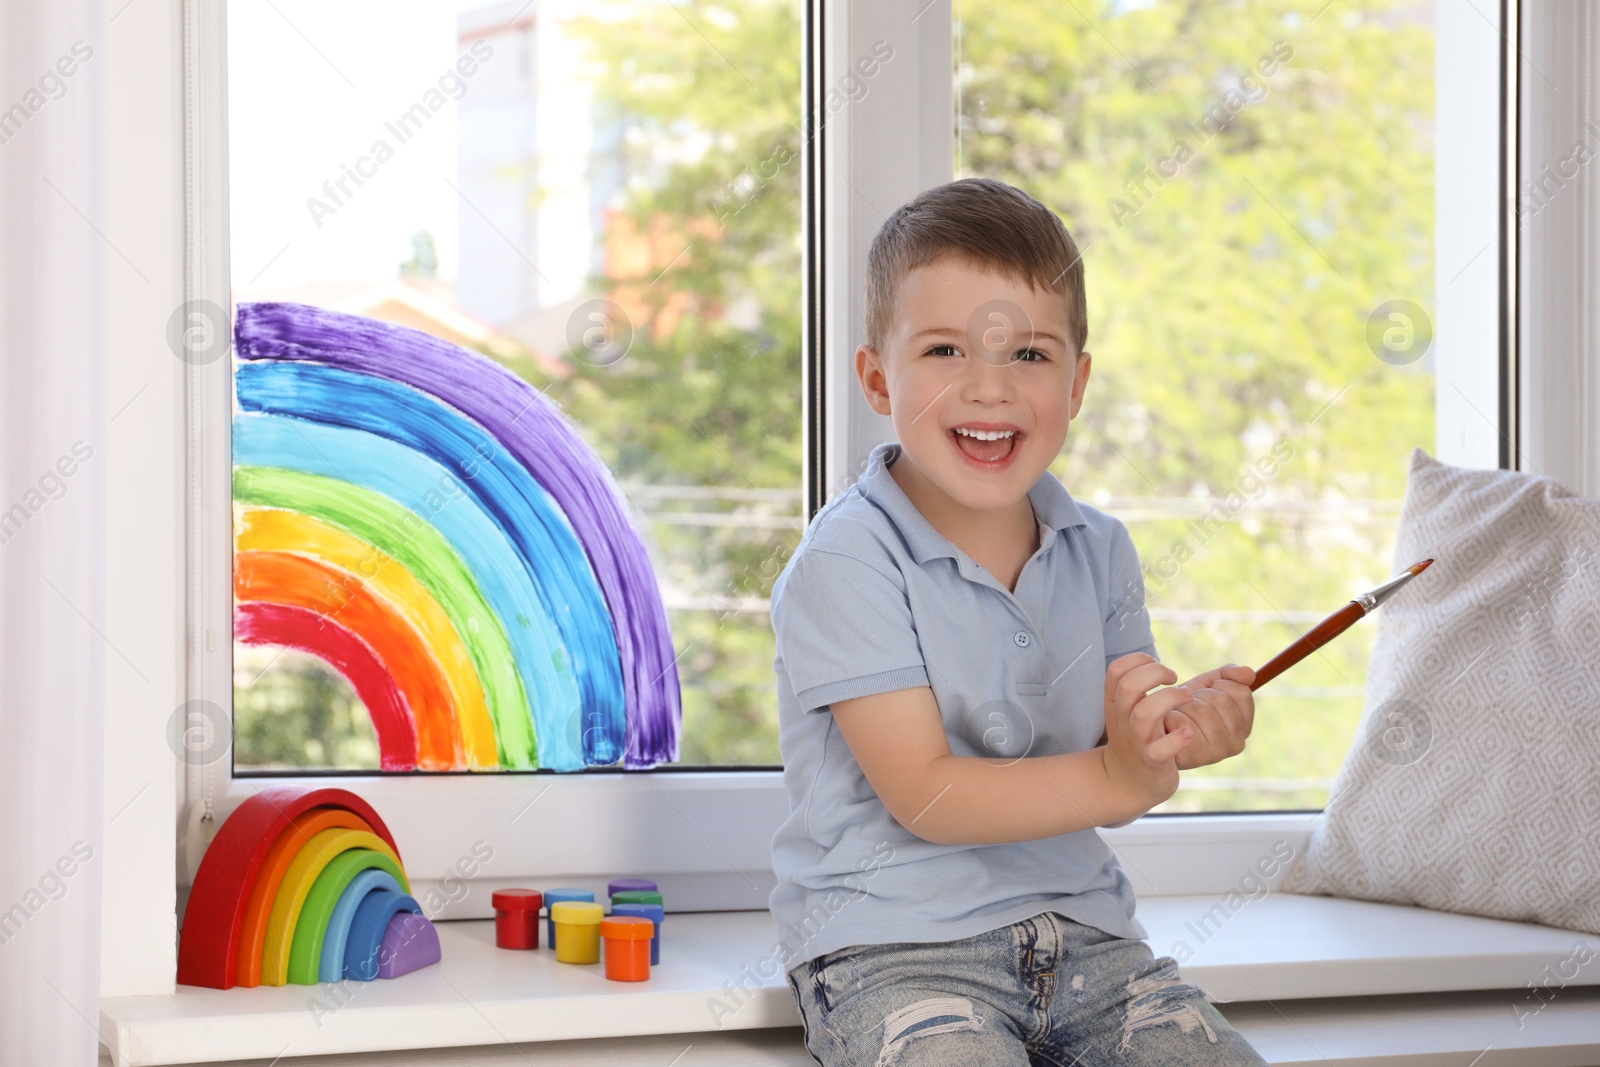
(144, 587)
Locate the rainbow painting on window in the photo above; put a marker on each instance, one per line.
(437, 531)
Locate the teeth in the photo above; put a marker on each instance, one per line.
(985, 435)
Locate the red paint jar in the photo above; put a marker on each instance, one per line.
(627, 941)
(516, 917)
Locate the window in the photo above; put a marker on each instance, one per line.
(602, 198)
(799, 181)
(1253, 189)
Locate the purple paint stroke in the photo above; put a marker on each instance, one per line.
(544, 441)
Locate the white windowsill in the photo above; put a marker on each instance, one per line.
(1282, 946)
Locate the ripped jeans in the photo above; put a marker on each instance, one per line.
(1045, 991)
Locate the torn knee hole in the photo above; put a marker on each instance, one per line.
(936, 1015)
(1164, 997)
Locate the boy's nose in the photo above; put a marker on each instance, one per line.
(986, 379)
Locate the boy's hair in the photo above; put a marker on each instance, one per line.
(988, 222)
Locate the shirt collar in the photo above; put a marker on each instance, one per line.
(1053, 506)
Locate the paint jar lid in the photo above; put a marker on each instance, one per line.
(652, 912)
(551, 896)
(637, 896)
(619, 885)
(582, 912)
(518, 899)
(628, 928)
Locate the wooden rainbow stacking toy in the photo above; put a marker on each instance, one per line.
(302, 885)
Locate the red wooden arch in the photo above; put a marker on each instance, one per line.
(208, 943)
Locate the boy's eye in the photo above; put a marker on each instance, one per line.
(1031, 355)
(944, 350)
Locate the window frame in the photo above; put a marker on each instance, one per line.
(710, 839)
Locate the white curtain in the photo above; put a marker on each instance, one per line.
(52, 527)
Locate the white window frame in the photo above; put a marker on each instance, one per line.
(705, 834)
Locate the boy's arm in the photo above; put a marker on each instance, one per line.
(1127, 627)
(899, 742)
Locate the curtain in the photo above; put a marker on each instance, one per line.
(52, 517)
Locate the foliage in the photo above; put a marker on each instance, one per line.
(292, 710)
(1231, 270)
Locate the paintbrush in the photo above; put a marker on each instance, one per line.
(1329, 628)
(1334, 625)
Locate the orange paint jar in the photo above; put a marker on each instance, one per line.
(627, 941)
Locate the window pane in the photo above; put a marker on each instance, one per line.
(1251, 184)
(602, 197)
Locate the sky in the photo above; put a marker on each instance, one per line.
(310, 86)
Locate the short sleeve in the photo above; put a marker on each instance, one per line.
(1127, 623)
(844, 629)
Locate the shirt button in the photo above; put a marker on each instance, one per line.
(1022, 638)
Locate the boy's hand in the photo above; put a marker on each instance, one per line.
(1219, 718)
(1140, 753)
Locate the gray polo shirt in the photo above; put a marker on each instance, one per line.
(875, 599)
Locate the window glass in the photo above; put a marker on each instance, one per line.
(601, 197)
(1251, 186)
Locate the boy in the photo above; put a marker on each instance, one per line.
(953, 632)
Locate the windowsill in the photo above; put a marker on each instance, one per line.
(1283, 947)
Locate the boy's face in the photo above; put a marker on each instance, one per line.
(972, 350)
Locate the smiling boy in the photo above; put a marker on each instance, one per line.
(968, 688)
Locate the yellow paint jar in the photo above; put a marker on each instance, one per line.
(577, 925)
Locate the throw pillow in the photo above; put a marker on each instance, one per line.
(1473, 781)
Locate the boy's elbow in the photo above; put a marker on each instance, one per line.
(916, 819)
(931, 821)
(926, 828)
(921, 801)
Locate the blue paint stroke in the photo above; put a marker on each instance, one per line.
(530, 519)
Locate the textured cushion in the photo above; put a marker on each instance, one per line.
(1473, 781)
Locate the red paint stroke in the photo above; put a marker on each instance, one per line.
(340, 597)
(257, 622)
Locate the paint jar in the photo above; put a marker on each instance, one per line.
(652, 912)
(552, 897)
(636, 896)
(577, 924)
(627, 940)
(622, 885)
(516, 917)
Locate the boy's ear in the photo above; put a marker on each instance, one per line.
(1080, 379)
(874, 384)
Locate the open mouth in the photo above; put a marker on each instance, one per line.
(988, 449)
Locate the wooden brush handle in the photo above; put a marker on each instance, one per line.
(1314, 638)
